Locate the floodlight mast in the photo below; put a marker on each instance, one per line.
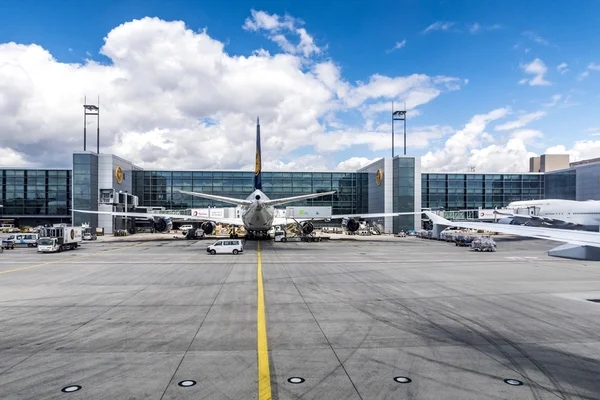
(92, 110)
(398, 116)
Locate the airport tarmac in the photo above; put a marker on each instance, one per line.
(345, 319)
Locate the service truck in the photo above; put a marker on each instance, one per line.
(59, 238)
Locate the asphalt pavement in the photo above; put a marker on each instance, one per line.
(366, 318)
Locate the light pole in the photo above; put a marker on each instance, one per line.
(398, 116)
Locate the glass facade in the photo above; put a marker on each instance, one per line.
(159, 188)
(404, 192)
(28, 193)
(561, 185)
(85, 187)
(471, 191)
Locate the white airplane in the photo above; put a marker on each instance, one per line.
(578, 244)
(258, 211)
(566, 214)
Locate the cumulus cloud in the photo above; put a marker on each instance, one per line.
(173, 98)
(455, 154)
(354, 163)
(439, 26)
(536, 68)
(526, 136)
(521, 121)
(581, 150)
(278, 27)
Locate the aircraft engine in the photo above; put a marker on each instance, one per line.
(163, 225)
(307, 227)
(208, 227)
(351, 224)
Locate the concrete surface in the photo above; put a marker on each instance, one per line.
(132, 320)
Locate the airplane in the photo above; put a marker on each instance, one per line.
(580, 245)
(257, 210)
(566, 214)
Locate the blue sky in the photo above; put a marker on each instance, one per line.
(486, 46)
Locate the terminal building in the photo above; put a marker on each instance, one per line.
(105, 182)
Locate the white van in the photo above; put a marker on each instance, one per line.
(30, 239)
(232, 246)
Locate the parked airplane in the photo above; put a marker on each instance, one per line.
(566, 214)
(258, 211)
(578, 244)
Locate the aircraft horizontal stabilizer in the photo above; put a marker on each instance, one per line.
(285, 200)
(231, 200)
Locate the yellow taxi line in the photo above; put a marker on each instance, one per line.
(264, 375)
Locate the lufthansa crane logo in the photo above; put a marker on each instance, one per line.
(72, 234)
(257, 164)
(379, 177)
(119, 175)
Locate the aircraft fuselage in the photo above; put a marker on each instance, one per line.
(258, 217)
(585, 213)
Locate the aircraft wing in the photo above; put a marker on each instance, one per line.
(525, 218)
(581, 238)
(228, 221)
(231, 200)
(283, 221)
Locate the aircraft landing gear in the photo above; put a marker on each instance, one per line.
(252, 235)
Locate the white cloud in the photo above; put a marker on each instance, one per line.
(526, 136)
(278, 27)
(554, 100)
(593, 131)
(439, 26)
(594, 67)
(562, 68)
(521, 121)
(581, 150)
(536, 38)
(586, 73)
(583, 75)
(474, 28)
(354, 163)
(172, 98)
(263, 20)
(536, 68)
(12, 158)
(455, 154)
(397, 46)
(477, 28)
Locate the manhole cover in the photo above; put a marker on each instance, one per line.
(513, 382)
(71, 389)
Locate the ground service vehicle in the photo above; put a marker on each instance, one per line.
(7, 244)
(59, 238)
(89, 236)
(233, 246)
(185, 228)
(30, 239)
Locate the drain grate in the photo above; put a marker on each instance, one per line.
(594, 300)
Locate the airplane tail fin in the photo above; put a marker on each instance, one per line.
(257, 163)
